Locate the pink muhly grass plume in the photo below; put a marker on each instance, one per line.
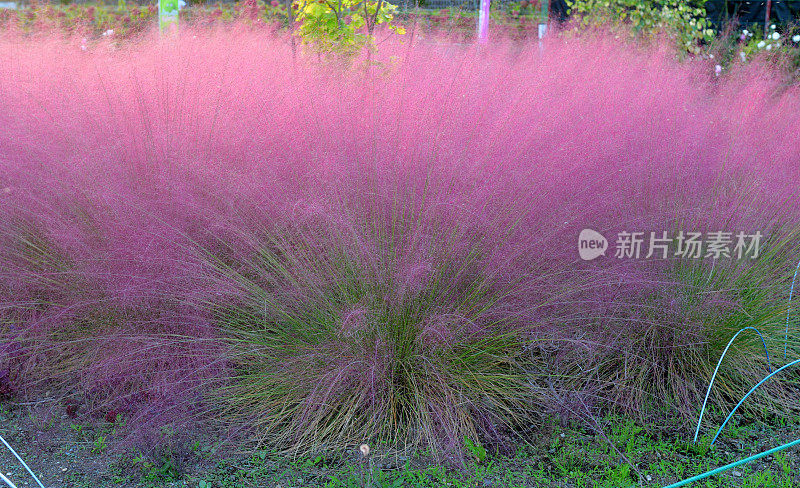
(205, 230)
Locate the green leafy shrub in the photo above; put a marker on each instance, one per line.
(344, 26)
(683, 21)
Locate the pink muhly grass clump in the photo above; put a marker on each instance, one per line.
(206, 228)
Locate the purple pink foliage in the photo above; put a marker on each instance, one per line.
(123, 167)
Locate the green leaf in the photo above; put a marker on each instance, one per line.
(477, 450)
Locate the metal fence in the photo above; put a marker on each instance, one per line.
(405, 4)
(752, 11)
(719, 11)
(438, 4)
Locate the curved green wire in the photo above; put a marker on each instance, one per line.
(714, 376)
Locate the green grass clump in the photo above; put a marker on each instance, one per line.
(331, 346)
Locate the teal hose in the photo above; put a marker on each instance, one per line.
(7, 481)
(789, 311)
(716, 370)
(30, 471)
(796, 361)
(733, 465)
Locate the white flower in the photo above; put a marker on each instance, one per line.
(717, 70)
(772, 27)
(769, 47)
(710, 56)
(364, 450)
(761, 44)
(109, 32)
(743, 56)
(796, 38)
(776, 36)
(745, 32)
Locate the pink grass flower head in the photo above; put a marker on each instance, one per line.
(218, 221)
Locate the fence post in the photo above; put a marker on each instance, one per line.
(483, 21)
(543, 18)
